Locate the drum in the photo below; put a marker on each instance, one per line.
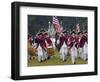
(31, 51)
(50, 51)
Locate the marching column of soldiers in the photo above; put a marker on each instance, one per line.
(76, 45)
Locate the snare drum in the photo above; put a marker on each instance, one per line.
(31, 51)
(50, 51)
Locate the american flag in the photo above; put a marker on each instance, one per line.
(56, 24)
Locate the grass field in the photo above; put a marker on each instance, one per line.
(55, 61)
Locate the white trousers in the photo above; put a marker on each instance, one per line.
(40, 54)
(73, 54)
(83, 52)
(45, 55)
(63, 53)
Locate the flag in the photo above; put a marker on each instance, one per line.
(51, 29)
(77, 28)
(56, 24)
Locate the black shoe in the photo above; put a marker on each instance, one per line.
(64, 60)
(86, 59)
(48, 57)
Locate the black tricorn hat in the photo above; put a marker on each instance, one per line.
(80, 32)
(73, 32)
(46, 33)
(42, 30)
(64, 31)
(29, 35)
(39, 33)
(85, 31)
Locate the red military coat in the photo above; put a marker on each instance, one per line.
(82, 41)
(36, 39)
(49, 41)
(66, 39)
(77, 42)
(72, 41)
(63, 39)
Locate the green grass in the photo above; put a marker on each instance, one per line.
(55, 61)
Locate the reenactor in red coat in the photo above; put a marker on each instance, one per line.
(62, 39)
(40, 51)
(82, 41)
(73, 39)
(63, 45)
(73, 47)
(36, 39)
(82, 45)
(44, 43)
(43, 40)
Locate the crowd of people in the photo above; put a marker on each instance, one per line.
(75, 44)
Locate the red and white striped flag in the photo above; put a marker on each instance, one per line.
(56, 24)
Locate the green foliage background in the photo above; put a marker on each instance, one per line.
(36, 22)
